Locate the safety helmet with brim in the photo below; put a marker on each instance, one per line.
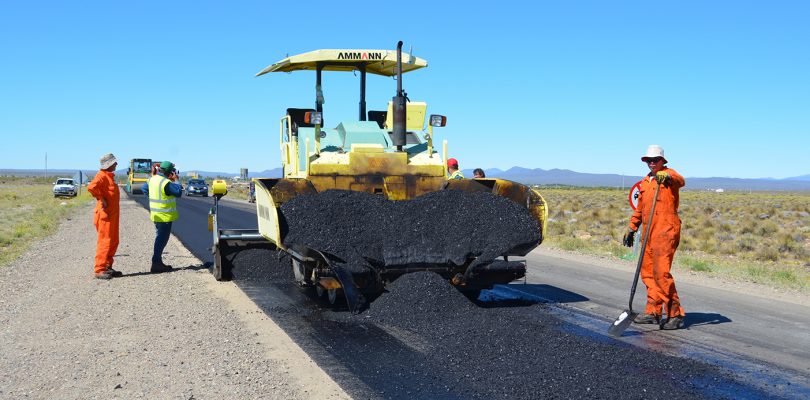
(654, 151)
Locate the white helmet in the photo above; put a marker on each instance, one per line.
(654, 151)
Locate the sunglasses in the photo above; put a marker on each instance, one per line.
(653, 160)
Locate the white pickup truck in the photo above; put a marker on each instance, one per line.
(64, 187)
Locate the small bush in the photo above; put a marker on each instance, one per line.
(698, 265)
(767, 254)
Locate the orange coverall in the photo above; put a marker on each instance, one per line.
(106, 220)
(665, 234)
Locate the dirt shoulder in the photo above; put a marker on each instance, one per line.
(173, 335)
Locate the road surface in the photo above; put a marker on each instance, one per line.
(763, 340)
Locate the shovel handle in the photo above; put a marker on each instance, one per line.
(643, 246)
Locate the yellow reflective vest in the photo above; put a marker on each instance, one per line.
(162, 207)
(454, 175)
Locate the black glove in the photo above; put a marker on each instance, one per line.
(627, 240)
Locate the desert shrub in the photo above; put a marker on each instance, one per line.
(767, 254)
(785, 243)
(749, 225)
(746, 244)
(766, 228)
(573, 244)
(556, 228)
(696, 265)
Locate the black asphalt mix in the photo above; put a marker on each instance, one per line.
(422, 339)
(442, 227)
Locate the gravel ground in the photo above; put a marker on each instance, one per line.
(179, 335)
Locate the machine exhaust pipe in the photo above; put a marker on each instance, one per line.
(399, 107)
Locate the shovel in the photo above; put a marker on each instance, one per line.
(627, 316)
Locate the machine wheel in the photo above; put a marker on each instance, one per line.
(220, 274)
(334, 295)
(300, 273)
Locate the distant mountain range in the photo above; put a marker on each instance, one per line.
(524, 175)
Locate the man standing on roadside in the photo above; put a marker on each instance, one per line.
(478, 173)
(452, 169)
(664, 236)
(105, 217)
(162, 192)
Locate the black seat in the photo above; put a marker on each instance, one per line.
(297, 117)
(379, 117)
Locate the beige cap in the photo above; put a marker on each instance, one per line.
(108, 160)
(654, 151)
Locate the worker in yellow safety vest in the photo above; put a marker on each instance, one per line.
(452, 169)
(163, 192)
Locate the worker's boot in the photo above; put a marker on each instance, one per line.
(647, 319)
(160, 267)
(673, 323)
(105, 275)
(115, 273)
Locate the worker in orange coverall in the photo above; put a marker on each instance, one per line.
(664, 236)
(106, 216)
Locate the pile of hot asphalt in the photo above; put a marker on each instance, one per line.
(424, 339)
(444, 227)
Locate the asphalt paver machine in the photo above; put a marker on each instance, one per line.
(387, 153)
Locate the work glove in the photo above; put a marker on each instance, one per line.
(628, 238)
(662, 177)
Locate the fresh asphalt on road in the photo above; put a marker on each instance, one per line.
(762, 342)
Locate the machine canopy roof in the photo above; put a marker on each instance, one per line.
(380, 62)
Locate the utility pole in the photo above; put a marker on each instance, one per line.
(46, 165)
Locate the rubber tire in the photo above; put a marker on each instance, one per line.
(220, 273)
(334, 296)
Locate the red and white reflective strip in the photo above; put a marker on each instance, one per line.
(634, 194)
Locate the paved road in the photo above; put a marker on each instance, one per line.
(765, 340)
(742, 332)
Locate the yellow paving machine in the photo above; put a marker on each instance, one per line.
(138, 173)
(390, 153)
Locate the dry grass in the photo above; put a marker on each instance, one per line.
(760, 237)
(29, 212)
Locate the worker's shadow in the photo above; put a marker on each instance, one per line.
(697, 319)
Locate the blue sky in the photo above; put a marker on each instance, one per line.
(723, 86)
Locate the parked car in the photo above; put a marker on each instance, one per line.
(65, 187)
(197, 187)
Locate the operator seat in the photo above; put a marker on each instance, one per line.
(297, 117)
(378, 117)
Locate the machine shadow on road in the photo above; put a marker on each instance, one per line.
(529, 293)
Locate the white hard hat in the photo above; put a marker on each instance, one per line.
(654, 151)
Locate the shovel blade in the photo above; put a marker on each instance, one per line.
(622, 322)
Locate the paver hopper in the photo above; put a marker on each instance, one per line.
(386, 153)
